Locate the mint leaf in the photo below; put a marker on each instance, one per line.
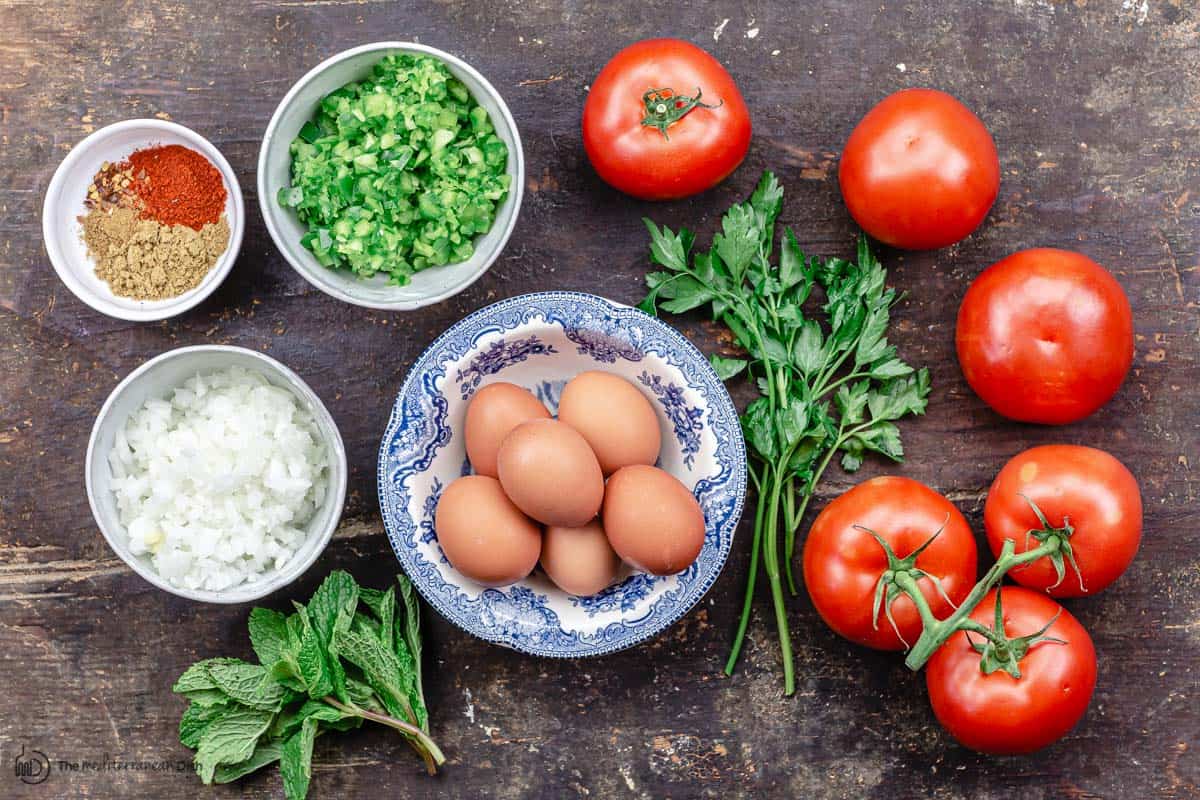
(337, 595)
(265, 753)
(371, 598)
(208, 697)
(409, 635)
(363, 696)
(230, 739)
(268, 634)
(295, 763)
(333, 604)
(365, 625)
(249, 684)
(382, 669)
(314, 663)
(289, 720)
(387, 617)
(196, 678)
(196, 718)
(726, 368)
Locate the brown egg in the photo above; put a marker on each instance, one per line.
(550, 473)
(652, 520)
(494, 411)
(614, 416)
(485, 536)
(579, 560)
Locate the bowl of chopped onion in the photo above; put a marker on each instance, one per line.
(391, 175)
(216, 473)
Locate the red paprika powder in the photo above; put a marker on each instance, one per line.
(178, 186)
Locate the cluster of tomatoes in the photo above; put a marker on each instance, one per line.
(1043, 336)
(1085, 494)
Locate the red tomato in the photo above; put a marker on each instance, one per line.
(920, 171)
(693, 153)
(1086, 487)
(842, 563)
(1045, 336)
(998, 713)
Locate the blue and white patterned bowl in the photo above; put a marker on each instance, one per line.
(540, 341)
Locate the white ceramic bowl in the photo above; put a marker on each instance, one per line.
(274, 172)
(64, 205)
(156, 378)
(540, 341)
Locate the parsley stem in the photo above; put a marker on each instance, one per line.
(771, 566)
(751, 579)
(843, 380)
(829, 372)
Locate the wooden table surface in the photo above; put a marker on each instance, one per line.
(1095, 108)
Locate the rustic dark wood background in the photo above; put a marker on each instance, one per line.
(1095, 107)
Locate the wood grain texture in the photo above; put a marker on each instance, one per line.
(1095, 107)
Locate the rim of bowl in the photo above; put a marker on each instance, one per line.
(724, 400)
(313, 277)
(153, 310)
(246, 592)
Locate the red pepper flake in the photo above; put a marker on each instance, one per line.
(178, 186)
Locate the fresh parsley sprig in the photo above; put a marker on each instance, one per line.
(828, 382)
(351, 654)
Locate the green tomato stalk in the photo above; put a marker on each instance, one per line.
(902, 577)
(814, 335)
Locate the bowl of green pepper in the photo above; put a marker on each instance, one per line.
(391, 175)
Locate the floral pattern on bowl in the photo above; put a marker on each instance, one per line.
(540, 341)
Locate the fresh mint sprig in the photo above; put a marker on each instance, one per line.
(814, 333)
(350, 654)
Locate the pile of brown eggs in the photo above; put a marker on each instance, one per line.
(579, 493)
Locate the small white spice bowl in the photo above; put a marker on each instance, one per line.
(300, 104)
(156, 379)
(64, 205)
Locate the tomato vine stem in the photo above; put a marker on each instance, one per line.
(937, 632)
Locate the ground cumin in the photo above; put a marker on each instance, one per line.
(145, 260)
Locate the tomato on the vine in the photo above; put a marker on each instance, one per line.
(997, 713)
(1045, 336)
(920, 171)
(843, 562)
(1082, 487)
(664, 120)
